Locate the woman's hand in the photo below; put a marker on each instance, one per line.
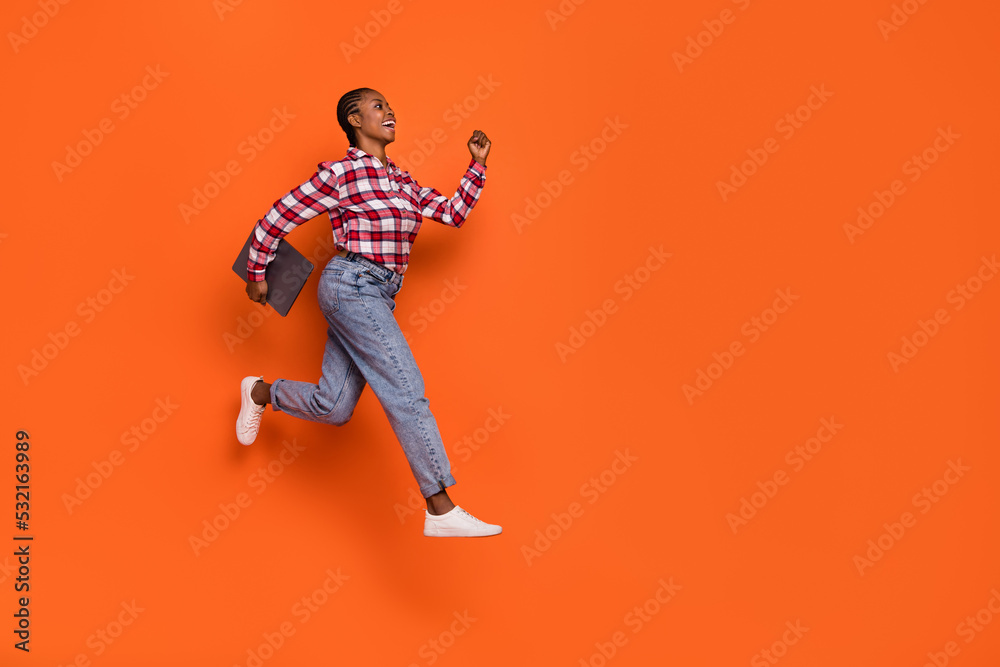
(257, 291)
(479, 146)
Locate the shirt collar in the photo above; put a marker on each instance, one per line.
(355, 153)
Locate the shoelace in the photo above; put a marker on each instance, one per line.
(255, 416)
(470, 516)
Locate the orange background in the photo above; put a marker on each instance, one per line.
(338, 505)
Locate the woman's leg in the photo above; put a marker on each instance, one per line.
(332, 400)
(365, 344)
(368, 330)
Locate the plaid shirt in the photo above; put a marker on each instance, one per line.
(376, 211)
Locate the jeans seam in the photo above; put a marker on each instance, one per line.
(336, 292)
(351, 369)
(411, 403)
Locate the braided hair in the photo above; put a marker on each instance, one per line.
(349, 104)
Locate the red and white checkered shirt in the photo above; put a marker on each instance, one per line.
(376, 211)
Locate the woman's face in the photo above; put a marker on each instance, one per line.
(375, 119)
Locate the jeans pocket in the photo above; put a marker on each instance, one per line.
(372, 275)
(329, 291)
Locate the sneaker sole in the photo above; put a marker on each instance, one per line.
(439, 534)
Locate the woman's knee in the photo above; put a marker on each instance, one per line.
(339, 411)
(325, 409)
(339, 417)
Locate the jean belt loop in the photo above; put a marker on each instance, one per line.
(383, 273)
(375, 268)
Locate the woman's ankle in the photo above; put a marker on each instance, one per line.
(261, 392)
(439, 503)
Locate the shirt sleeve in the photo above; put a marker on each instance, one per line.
(315, 196)
(455, 210)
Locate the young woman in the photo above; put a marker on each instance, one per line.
(376, 210)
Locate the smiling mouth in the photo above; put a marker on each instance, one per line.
(390, 124)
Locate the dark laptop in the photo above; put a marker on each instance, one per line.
(286, 275)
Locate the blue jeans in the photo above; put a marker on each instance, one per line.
(366, 346)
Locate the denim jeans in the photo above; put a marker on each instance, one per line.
(366, 346)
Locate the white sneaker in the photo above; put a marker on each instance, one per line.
(457, 523)
(248, 423)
